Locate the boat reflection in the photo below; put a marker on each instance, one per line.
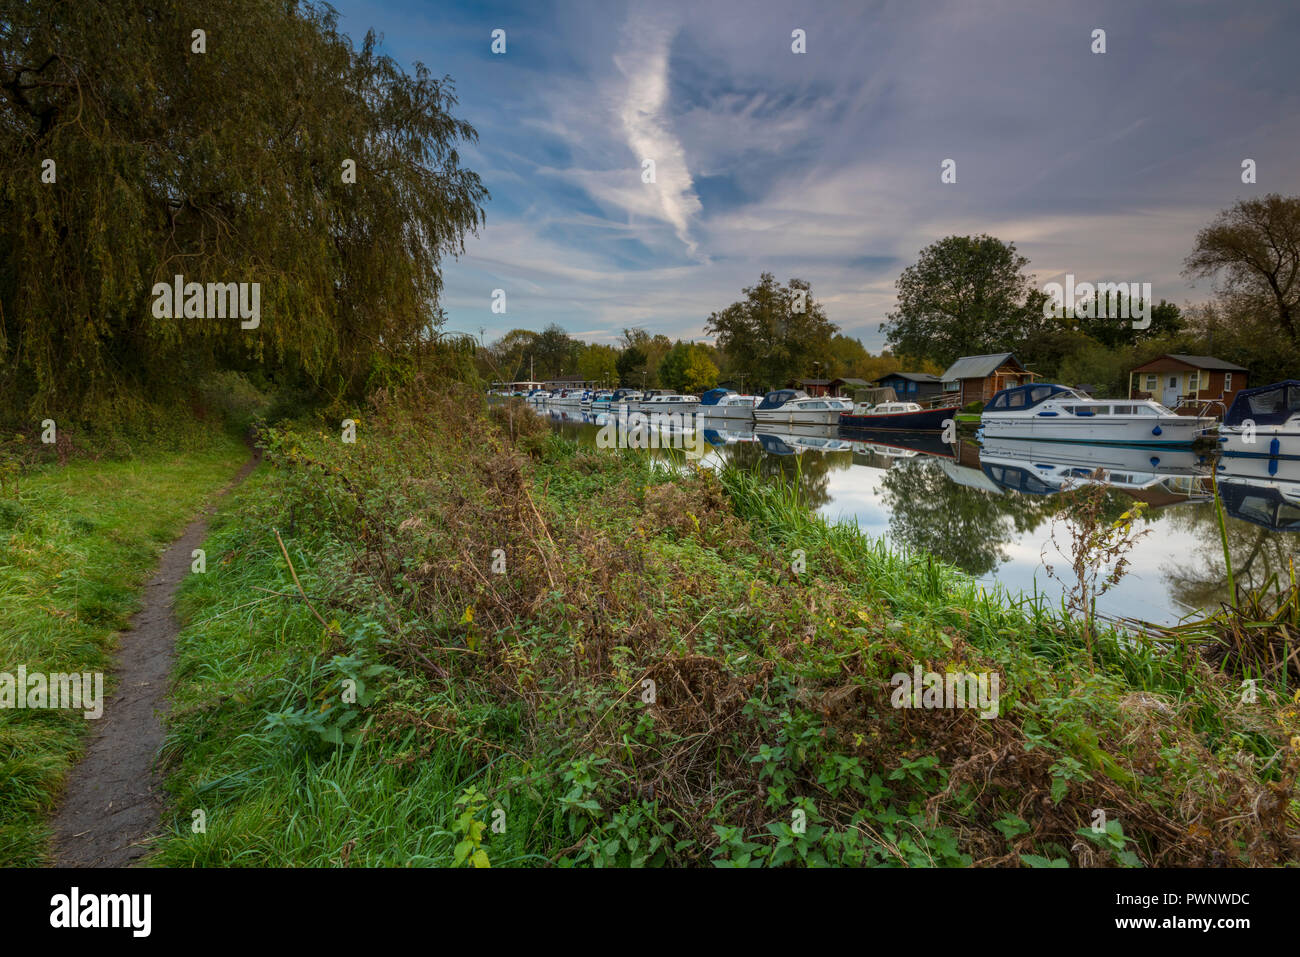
(1263, 491)
(797, 439)
(1048, 468)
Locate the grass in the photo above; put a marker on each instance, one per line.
(270, 789)
(649, 681)
(77, 543)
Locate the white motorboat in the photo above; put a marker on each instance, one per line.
(668, 403)
(1059, 414)
(795, 407)
(624, 400)
(1263, 423)
(569, 398)
(727, 404)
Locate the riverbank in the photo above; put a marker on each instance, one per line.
(498, 648)
(77, 543)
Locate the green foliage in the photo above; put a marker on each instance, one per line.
(469, 849)
(599, 363)
(965, 295)
(767, 747)
(776, 331)
(688, 368)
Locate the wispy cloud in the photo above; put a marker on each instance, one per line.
(643, 60)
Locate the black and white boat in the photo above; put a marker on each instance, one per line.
(898, 417)
(1263, 423)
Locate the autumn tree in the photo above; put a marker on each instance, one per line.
(688, 368)
(599, 363)
(965, 295)
(1253, 249)
(775, 333)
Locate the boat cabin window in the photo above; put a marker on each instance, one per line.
(1271, 405)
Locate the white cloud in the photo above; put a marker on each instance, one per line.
(643, 60)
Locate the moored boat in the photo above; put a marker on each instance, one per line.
(795, 407)
(728, 404)
(1263, 422)
(1059, 414)
(898, 417)
(669, 403)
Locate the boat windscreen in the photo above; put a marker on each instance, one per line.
(1027, 396)
(1267, 405)
(774, 400)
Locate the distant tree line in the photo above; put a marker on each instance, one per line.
(972, 295)
(772, 335)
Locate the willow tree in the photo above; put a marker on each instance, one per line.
(242, 141)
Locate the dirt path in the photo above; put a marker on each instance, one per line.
(114, 796)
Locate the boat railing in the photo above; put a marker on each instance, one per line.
(1213, 408)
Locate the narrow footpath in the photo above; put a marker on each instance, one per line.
(113, 800)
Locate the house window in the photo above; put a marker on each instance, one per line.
(1150, 383)
(1227, 382)
(1193, 381)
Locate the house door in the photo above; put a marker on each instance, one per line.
(1171, 392)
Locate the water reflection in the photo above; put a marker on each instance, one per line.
(989, 509)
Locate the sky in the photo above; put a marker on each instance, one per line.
(826, 165)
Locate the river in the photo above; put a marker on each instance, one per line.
(1000, 512)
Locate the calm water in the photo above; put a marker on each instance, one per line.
(992, 510)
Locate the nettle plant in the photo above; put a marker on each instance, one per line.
(349, 687)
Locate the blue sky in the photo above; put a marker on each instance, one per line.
(826, 165)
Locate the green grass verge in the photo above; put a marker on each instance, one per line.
(77, 544)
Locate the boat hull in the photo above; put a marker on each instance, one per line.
(1111, 430)
(741, 413)
(927, 420)
(797, 417)
(1263, 443)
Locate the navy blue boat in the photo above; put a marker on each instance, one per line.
(903, 420)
